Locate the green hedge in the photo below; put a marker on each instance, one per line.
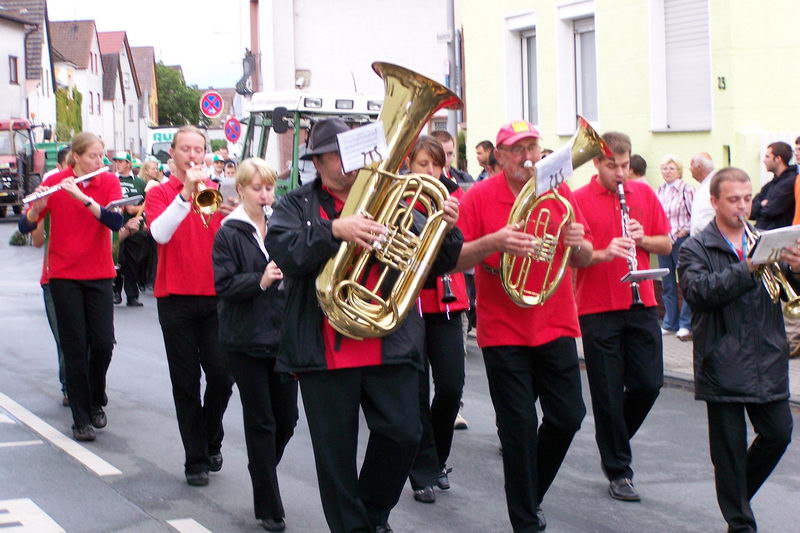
(68, 113)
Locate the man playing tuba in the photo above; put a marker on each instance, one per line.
(529, 352)
(338, 375)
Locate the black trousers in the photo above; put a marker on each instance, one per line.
(132, 252)
(740, 471)
(269, 408)
(625, 367)
(353, 501)
(533, 453)
(189, 326)
(85, 317)
(444, 348)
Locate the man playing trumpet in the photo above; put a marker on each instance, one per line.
(529, 352)
(621, 337)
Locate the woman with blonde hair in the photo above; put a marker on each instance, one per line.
(251, 304)
(676, 198)
(81, 272)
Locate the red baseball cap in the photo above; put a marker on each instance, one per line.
(515, 131)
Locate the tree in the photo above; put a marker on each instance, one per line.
(178, 104)
(68, 113)
(216, 144)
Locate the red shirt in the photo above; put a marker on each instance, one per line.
(599, 286)
(349, 353)
(184, 263)
(79, 245)
(501, 322)
(431, 299)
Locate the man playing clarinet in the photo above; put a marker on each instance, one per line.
(619, 322)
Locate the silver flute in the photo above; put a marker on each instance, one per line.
(55, 188)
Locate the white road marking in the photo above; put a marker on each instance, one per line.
(19, 443)
(5, 419)
(24, 516)
(186, 525)
(91, 461)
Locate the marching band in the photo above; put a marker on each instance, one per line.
(352, 290)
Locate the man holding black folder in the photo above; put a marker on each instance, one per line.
(621, 341)
(740, 349)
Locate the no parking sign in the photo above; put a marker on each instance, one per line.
(233, 129)
(211, 104)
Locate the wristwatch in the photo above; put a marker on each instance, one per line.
(88, 202)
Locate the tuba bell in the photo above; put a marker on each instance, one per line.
(534, 215)
(357, 304)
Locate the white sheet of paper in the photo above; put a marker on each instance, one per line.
(772, 241)
(362, 146)
(641, 275)
(553, 169)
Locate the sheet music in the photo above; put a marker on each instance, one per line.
(771, 242)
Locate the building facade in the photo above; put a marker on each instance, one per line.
(121, 94)
(679, 76)
(12, 67)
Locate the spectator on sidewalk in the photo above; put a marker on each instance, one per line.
(773, 206)
(484, 152)
(702, 169)
(740, 350)
(638, 169)
(676, 199)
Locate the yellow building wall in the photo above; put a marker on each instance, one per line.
(752, 48)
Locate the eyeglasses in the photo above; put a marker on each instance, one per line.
(518, 149)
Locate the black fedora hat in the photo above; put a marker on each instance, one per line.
(323, 137)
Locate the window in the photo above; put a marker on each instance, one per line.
(13, 70)
(681, 65)
(530, 108)
(585, 68)
(127, 80)
(130, 113)
(91, 103)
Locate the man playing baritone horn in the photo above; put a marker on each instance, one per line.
(740, 349)
(529, 352)
(339, 375)
(621, 341)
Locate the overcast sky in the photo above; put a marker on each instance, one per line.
(203, 36)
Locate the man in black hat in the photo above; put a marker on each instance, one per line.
(339, 375)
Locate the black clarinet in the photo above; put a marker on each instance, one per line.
(636, 299)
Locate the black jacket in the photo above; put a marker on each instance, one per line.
(461, 176)
(301, 241)
(779, 210)
(249, 319)
(740, 348)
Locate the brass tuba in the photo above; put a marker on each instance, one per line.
(514, 271)
(356, 306)
(773, 277)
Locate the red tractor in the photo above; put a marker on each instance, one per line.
(21, 164)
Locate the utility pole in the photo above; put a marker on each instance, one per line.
(452, 124)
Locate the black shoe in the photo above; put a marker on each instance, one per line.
(215, 464)
(134, 302)
(83, 432)
(385, 528)
(98, 417)
(64, 399)
(443, 482)
(197, 479)
(542, 525)
(117, 298)
(622, 489)
(425, 495)
(273, 524)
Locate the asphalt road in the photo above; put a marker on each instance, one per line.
(132, 481)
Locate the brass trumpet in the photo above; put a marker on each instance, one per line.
(206, 202)
(585, 144)
(773, 278)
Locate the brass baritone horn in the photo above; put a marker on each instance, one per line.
(515, 271)
(773, 278)
(356, 306)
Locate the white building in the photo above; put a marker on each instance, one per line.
(12, 66)
(121, 94)
(77, 42)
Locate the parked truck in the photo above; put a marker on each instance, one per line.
(21, 163)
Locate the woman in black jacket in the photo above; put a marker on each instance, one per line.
(251, 305)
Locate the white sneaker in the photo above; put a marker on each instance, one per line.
(666, 332)
(460, 422)
(684, 334)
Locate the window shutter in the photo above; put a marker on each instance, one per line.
(688, 64)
